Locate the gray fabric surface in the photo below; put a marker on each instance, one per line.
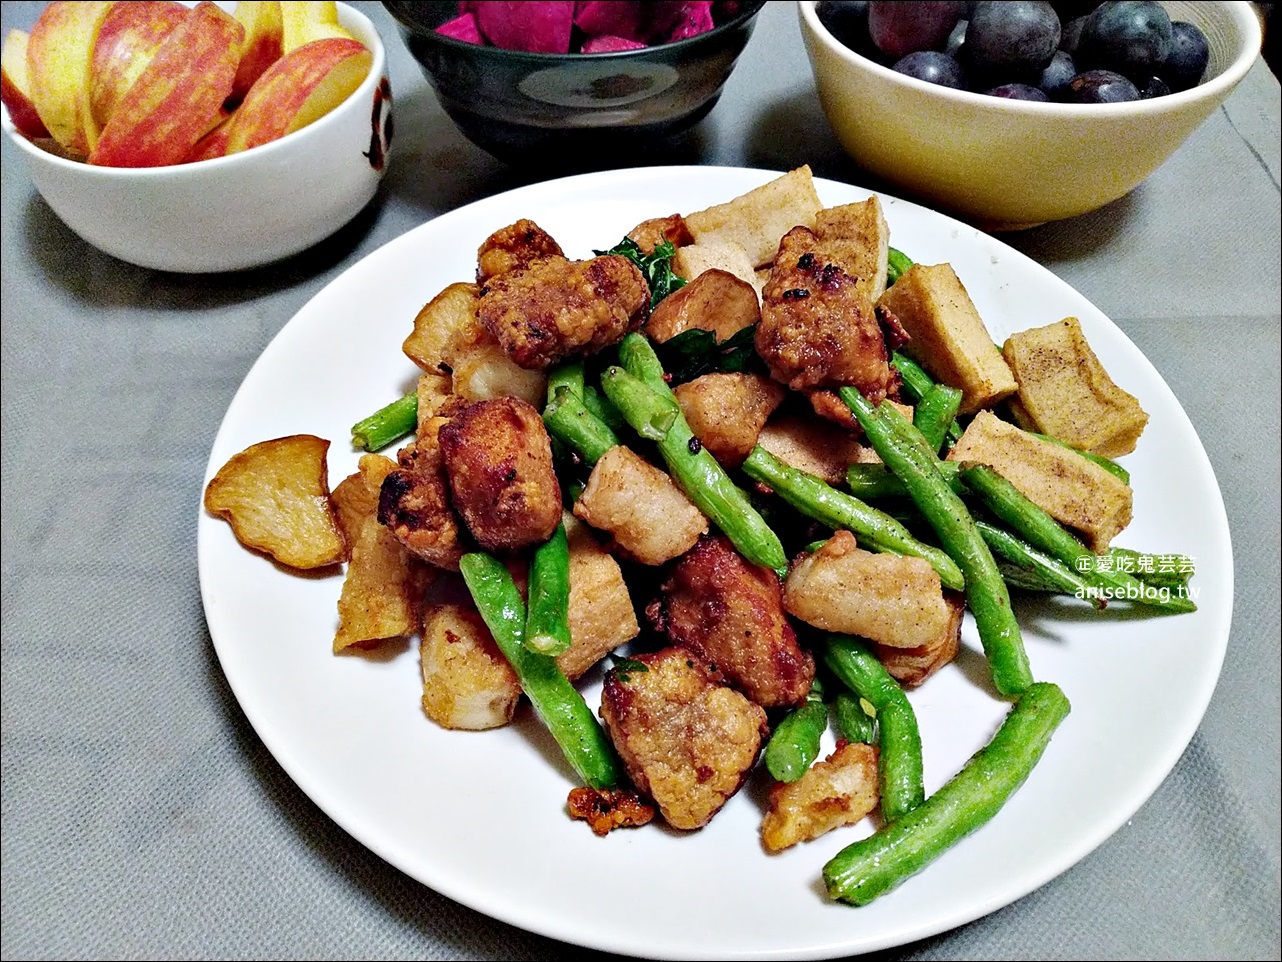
(142, 817)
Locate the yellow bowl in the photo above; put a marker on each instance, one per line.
(1009, 164)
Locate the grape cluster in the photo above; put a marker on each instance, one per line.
(1068, 52)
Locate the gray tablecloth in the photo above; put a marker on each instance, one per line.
(142, 817)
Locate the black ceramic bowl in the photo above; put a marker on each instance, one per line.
(518, 106)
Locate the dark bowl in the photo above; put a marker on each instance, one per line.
(515, 105)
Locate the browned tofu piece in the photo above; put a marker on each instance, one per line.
(726, 411)
(756, 220)
(649, 234)
(694, 260)
(857, 239)
(715, 301)
(498, 458)
(912, 666)
(601, 614)
(467, 683)
(446, 321)
(356, 496)
(484, 371)
(647, 516)
(893, 600)
(816, 447)
(730, 613)
(1073, 490)
(685, 739)
(1064, 391)
(949, 338)
(514, 247)
(840, 790)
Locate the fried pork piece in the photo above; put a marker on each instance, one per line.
(605, 809)
(912, 666)
(649, 234)
(498, 459)
(730, 613)
(601, 615)
(514, 247)
(818, 328)
(726, 412)
(414, 504)
(840, 790)
(892, 600)
(685, 739)
(467, 683)
(555, 309)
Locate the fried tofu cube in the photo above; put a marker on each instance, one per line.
(445, 323)
(275, 496)
(715, 301)
(912, 666)
(949, 338)
(356, 496)
(467, 683)
(840, 790)
(484, 371)
(1072, 489)
(648, 517)
(726, 411)
(856, 238)
(1064, 391)
(756, 220)
(893, 600)
(694, 260)
(601, 613)
(816, 447)
(685, 739)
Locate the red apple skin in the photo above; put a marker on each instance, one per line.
(128, 40)
(272, 103)
(178, 98)
(59, 54)
(213, 144)
(15, 86)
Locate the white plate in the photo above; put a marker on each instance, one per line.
(479, 816)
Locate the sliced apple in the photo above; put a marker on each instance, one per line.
(264, 42)
(178, 98)
(299, 88)
(130, 36)
(305, 22)
(59, 55)
(213, 144)
(15, 85)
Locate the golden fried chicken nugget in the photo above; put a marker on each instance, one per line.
(514, 247)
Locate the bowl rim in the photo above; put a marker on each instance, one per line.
(348, 17)
(1214, 89)
(750, 10)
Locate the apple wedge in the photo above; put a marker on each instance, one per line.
(178, 98)
(59, 55)
(299, 88)
(130, 36)
(15, 85)
(263, 45)
(305, 22)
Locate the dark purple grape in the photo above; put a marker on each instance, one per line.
(933, 67)
(1131, 37)
(901, 27)
(1012, 40)
(1057, 74)
(847, 21)
(956, 39)
(1154, 87)
(1100, 87)
(1071, 9)
(1188, 58)
(1019, 92)
(1070, 33)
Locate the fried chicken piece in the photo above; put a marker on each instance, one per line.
(414, 504)
(730, 613)
(685, 739)
(818, 328)
(554, 309)
(649, 234)
(840, 790)
(514, 247)
(498, 460)
(605, 809)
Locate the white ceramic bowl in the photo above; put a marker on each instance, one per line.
(1005, 164)
(235, 212)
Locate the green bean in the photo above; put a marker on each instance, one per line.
(906, 453)
(696, 471)
(1046, 570)
(1109, 465)
(874, 529)
(917, 384)
(557, 703)
(897, 264)
(856, 718)
(936, 412)
(600, 406)
(547, 625)
(875, 865)
(387, 424)
(899, 767)
(570, 422)
(794, 744)
(637, 356)
(1042, 531)
(568, 375)
(871, 481)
